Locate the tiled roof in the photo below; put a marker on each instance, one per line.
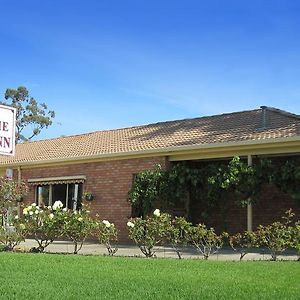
(231, 127)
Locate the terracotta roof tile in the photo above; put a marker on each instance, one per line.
(232, 127)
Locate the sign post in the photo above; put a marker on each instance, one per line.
(7, 130)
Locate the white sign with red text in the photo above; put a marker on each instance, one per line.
(7, 130)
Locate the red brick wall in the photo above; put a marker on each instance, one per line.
(272, 206)
(228, 217)
(109, 181)
(269, 208)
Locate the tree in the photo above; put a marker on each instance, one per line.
(30, 113)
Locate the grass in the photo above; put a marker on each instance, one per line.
(52, 276)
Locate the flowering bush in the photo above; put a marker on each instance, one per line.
(205, 240)
(177, 233)
(148, 232)
(243, 242)
(43, 224)
(77, 226)
(12, 235)
(107, 233)
(277, 237)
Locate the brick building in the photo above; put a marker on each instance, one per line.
(104, 162)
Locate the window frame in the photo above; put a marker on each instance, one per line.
(66, 199)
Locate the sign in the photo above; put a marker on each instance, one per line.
(7, 130)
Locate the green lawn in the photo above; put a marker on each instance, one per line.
(51, 276)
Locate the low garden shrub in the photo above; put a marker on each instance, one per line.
(107, 235)
(243, 242)
(205, 240)
(44, 225)
(149, 232)
(277, 237)
(177, 233)
(296, 238)
(77, 226)
(11, 236)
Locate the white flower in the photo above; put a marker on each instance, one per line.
(80, 219)
(22, 226)
(57, 204)
(31, 213)
(49, 207)
(25, 211)
(106, 223)
(156, 212)
(33, 204)
(29, 207)
(36, 212)
(16, 217)
(65, 209)
(130, 224)
(51, 216)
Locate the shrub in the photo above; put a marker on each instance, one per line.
(107, 233)
(277, 237)
(12, 235)
(44, 225)
(149, 232)
(296, 238)
(77, 226)
(11, 191)
(205, 240)
(3, 248)
(243, 242)
(177, 233)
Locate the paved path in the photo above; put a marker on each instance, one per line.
(163, 252)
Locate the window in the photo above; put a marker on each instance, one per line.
(68, 193)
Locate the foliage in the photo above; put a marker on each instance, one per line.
(277, 237)
(77, 226)
(10, 192)
(44, 225)
(296, 238)
(177, 233)
(48, 223)
(205, 240)
(287, 177)
(107, 233)
(149, 232)
(243, 242)
(147, 190)
(30, 113)
(209, 182)
(212, 182)
(11, 236)
(3, 248)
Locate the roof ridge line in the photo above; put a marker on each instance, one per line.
(281, 111)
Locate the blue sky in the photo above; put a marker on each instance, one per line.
(111, 64)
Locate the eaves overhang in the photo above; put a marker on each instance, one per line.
(284, 145)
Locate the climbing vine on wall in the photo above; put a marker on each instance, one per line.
(212, 182)
(287, 177)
